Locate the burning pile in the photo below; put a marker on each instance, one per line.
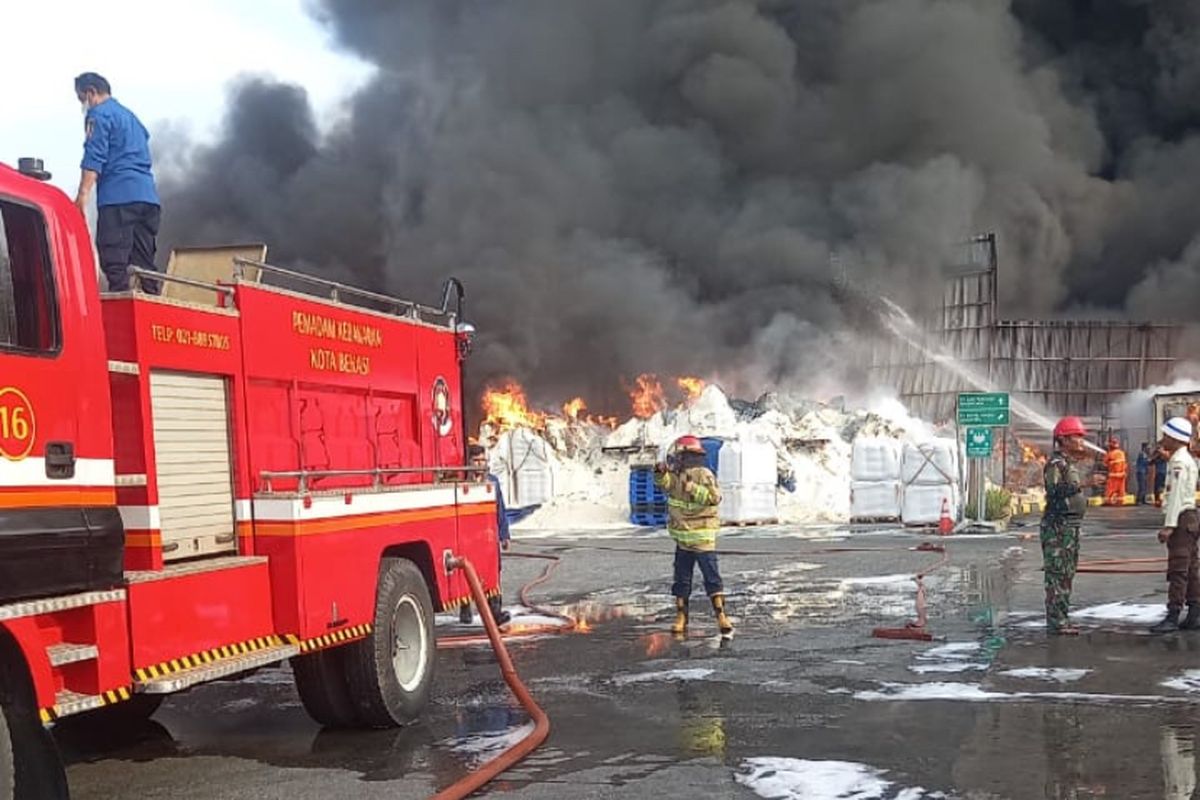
(1024, 467)
(575, 465)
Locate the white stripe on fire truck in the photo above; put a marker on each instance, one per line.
(293, 509)
(31, 472)
(140, 518)
(243, 510)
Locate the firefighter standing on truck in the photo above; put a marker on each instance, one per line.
(1061, 521)
(692, 521)
(1180, 528)
(116, 162)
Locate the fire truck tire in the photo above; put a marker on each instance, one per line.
(321, 682)
(6, 762)
(38, 772)
(390, 673)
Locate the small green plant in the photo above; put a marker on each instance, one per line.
(998, 505)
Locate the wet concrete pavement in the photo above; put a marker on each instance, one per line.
(995, 709)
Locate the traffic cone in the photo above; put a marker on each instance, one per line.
(945, 524)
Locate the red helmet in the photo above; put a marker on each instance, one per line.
(1070, 426)
(688, 444)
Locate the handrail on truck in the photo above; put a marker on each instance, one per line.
(304, 476)
(140, 275)
(400, 307)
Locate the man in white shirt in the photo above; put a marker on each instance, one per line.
(1180, 528)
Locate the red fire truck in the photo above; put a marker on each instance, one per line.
(190, 490)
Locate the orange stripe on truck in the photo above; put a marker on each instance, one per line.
(57, 497)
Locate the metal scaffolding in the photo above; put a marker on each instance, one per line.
(1058, 366)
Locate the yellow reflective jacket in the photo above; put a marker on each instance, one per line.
(692, 500)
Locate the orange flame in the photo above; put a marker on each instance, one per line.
(573, 408)
(1031, 453)
(647, 396)
(506, 407)
(692, 387)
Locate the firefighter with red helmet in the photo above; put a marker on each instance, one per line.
(1061, 521)
(693, 521)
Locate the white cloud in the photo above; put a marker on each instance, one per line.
(169, 62)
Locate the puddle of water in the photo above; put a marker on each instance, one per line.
(796, 779)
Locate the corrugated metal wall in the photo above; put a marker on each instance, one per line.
(1058, 366)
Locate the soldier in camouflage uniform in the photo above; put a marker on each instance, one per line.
(1065, 506)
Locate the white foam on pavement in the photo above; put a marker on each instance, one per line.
(949, 666)
(1187, 682)
(881, 580)
(951, 651)
(481, 747)
(1058, 674)
(1136, 613)
(697, 674)
(797, 779)
(975, 693)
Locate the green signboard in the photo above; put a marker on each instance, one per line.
(979, 442)
(989, 409)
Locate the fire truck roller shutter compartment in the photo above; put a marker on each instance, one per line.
(191, 448)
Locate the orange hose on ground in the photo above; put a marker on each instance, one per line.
(465, 640)
(479, 777)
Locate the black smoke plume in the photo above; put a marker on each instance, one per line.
(661, 185)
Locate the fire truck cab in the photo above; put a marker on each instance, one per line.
(231, 474)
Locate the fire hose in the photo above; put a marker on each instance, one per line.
(479, 777)
(568, 624)
(916, 629)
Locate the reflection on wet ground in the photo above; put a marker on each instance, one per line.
(802, 699)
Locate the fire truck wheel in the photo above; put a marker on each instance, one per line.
(38, 772)
(390, 673)
(6, 762)
(321, 682)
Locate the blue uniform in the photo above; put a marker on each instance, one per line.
(117, 148)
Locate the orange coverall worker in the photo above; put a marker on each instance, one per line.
(1114, 488)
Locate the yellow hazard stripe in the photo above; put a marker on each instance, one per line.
(107, 698)
(155, 671)
(330, 639)
(459, 602)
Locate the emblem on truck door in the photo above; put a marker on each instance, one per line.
(442, 420)
(17, 424)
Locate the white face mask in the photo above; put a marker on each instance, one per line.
(83, 108)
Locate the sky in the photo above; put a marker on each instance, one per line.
(171, 63)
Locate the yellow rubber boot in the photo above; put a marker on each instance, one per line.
(723, 623)
(679, 626)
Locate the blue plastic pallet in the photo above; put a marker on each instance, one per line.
(648, 520)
